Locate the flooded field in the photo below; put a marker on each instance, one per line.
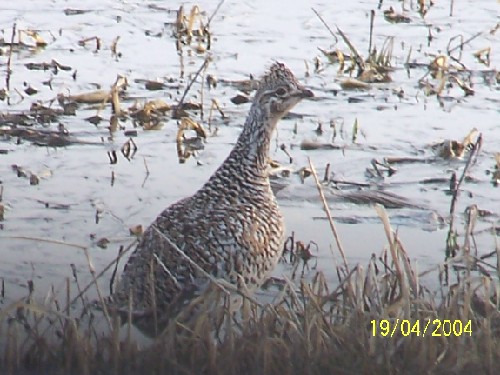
(69, 181)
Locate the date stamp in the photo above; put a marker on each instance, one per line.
(420, 328)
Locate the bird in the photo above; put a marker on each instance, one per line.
(230, 229)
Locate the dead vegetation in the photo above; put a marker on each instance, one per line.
(376, 318)
(313, 325)
(310, 327)
(444, 72)
(495, 172)
(191, 30)
(187, 146)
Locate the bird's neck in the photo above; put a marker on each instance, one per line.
(252, 146)
(246, 167)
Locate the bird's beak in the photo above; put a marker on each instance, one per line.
(304, 93)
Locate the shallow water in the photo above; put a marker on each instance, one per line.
(76, 181)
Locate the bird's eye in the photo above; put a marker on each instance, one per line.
(281, 91)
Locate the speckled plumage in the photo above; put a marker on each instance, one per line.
(231, 226)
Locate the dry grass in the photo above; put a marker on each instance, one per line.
(308, 329)
(311, 327)
(379, 319)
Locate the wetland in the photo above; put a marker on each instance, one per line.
(111, 111)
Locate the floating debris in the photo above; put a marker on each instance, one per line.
(30, 90)
(91, 97)
(439, 65)
(380, 169)
(97, 40)
(354, 84)
(495, 173)
(316, 145)
(3, 94)
(113, 157)
(390, 15)
(130, 133)
(240, 99)
(20, 44)
(422, 8)
(136, 230)
(120, 84)
(36, 114)
(188, 106)
(211, 81)
(150, 115)
(154, 85)
(94, 119)
(53, 65)
(303, 173)
(43, 137)
(35, 35)
(21, 172)
(75, 12)
(34, 179)
(244, 85)
(187, 146)
(299, 253)
(277, 170)
(383, 197)
(335, 56)
(129, 149)
(103, 243)
(483, 56)
(373, 70)
(198, 38)
(215, 105)
(467, 89)
(451, 149)
(114, 47)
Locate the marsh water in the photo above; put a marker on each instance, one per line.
(82, 197)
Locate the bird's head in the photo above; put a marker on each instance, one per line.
(279, 91)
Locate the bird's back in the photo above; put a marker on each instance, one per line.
(227, 235)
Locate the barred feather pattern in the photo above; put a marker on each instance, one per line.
(231, 227)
